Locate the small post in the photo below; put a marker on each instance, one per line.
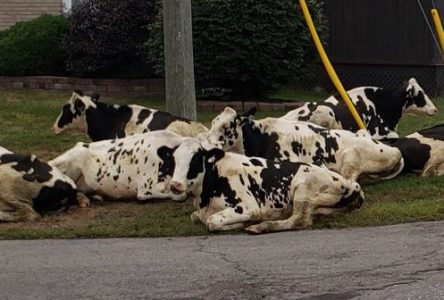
(179, 64)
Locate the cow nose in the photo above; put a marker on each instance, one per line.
(176, 187)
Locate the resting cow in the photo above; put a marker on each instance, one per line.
(353, 155)
(135, 167)
(380, 109)
(30, 187)
(423, 151)
(103, 121)
(232, 190)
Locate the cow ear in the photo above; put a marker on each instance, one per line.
(79, 105)
(95, 97)
(78, 92)
(249, 113)
(214, 155)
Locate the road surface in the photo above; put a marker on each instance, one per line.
(392, 262)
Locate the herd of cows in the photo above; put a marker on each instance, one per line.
(262, 175)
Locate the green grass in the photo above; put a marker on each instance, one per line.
(27, 117)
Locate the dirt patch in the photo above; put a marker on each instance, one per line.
(98, 212)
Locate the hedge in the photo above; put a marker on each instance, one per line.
(33, 47)
(246, 47)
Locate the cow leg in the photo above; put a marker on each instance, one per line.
(8, 217)
(433, 170)
(144, 195)
(301, 218)
(227, 219)
(19, 213)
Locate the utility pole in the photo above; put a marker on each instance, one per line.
(179, 64)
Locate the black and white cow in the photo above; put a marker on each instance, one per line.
(135, 167)
(423, 151)
(103, 121)
(232, 190)
(380, 109)
(353, 155)
(30, 187)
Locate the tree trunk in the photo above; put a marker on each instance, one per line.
(179, 65)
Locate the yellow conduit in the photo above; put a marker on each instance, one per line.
(331, 72)
(438, 27)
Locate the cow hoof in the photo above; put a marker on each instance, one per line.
(254, 229)
(97, 198)
(195, 217)
(83, 201)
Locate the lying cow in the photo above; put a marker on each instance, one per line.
(30, 187)
(380, 109)
(103, 121)
(353, 155)
(232, 190)
(135, 167)
(423, 151)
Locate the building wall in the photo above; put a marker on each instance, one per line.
(381, 32)
(12, 11)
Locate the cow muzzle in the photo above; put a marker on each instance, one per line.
(177, 187)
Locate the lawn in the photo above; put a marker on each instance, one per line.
(27, 117)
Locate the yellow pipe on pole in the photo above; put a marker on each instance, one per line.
(438, 27)
(331, 72)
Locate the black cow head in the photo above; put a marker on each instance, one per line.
(72, 115)
(417, 100)
(191, 160)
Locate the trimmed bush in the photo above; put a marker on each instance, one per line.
(106, 38)
(33, 47)
(247, 47)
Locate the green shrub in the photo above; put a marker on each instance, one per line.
(106, 38)
(33, 47)
(247, 47)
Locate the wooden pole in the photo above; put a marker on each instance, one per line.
(179, 64)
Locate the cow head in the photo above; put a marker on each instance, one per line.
(226, 129)
(73, 112)
(417, 100)
(191, 160)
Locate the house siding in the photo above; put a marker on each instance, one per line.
(12, 11)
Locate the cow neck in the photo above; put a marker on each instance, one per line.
(107, 121)
(389, 104)
(209, 184)
(255, 140)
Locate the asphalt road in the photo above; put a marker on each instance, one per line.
(393, 262)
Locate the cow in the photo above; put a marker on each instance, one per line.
(423, 151)
(134, 167)
(380, 109)
(30, 188)
(231, 190)
(101, 121)
(356, 156)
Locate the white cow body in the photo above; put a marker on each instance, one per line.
(380, 109)
(30, 187)
(353, 155)
(235, 190)
(135, 167)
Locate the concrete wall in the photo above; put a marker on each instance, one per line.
(12, 11)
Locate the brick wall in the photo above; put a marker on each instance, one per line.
(12, 11)
(106, 87)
